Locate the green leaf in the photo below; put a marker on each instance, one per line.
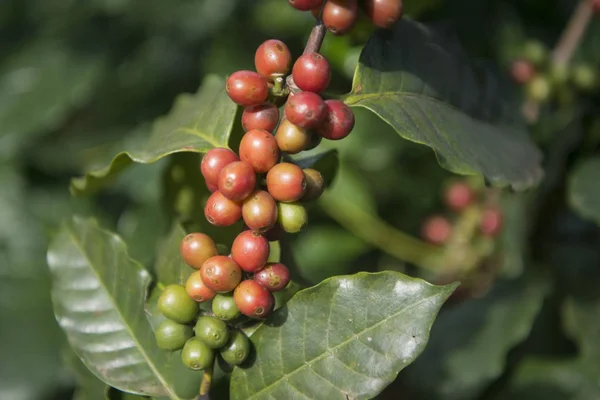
(170, 267)
(98, 294)
(422, 83)
(345, 338)
(584, 191)
(196, 123)
(89, 386)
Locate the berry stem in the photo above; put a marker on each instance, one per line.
(206, 383)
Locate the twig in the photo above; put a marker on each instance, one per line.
(206, 383)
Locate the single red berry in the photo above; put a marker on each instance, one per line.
(259, 149)
(305, 5)
(384, 13)
(436, 230)
(250, 250)
(459, 196)
(286, 182)
(221, 274)
(339, 16)
(237, 180)
(522, 71)
(272, 59)
(315, 184)
(491, 221)
(247, 88)
(196, 248)
(274, 276)
(338, 121)
(291, 138)
(305, 109)
(596, 6)
(197, 290)
(312, 72)
(213, 162)
(253, 299)
(260, 211)
(220, 211)
(264, 116)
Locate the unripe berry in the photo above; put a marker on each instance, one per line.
(339, 16)
(247, 88)
(197, 290)
(196, 355)
(272, 59)
(338, 121)
(260, 211)
(459, 196)
(236, 351)
(172, 336)
(175, 304)
(312, 72)
(535, 52)
(264, 116)
(491, 221)
(220, 211)
(237, 180)
(436, 230)
(305, 109)
(274, 276)
(305, 5)
(384, 13)
(291, 216)
(196, 248)
(253, 299)
(584, 77)
(221, 274)
(286, 182)
(522, 71)
(539, 89)
(212, 164)
(224, 308)
(212, 331)
(250, 250)
(259, 149)
(315, 184)
(291, 138)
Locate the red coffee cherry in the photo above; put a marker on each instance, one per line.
(305, 109)
(491, 221)
(274, 276)
(272, 59)
(384, 13)
(247, 88)
(196, 248)
(286, 182)
(339, 16)
(596, 6)
(522, 71)
(315, 184)
(291, 138)
(312, 72)
(197, 290)
(250, 250)
(253, 299)
(237, 180)
(436, 230)
(459, 196)
(264, 116)
(305, 5)
(259, 149)
(260, 211)
(213, 162)
(338, 121)
(221, 274)
(220, 211)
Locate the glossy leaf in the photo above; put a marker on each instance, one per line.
(422, 83)
(89, 387)
(584, 191)
(345, 338)
(98, 295)
(170, 267)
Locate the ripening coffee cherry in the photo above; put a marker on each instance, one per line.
(339, 16)
(237, 180)
(247, 88)
(250, 250)
(264, 116)
(213, 162)
(197, 290)
(521, 71)
(286, 182)
(338, 121)
(491, 221)
(197, 355)
(305, 5)
(221, 274)
(459, 196)
(196, 248)
(273, 59)
(274, 276)
(211, 331)
(175, 304)
(291, 216)
(312, 72)
(224, 308)
(539, 89)
(253, 299)
(436, 230)
(260, 211)
(305, 109)
(172, 336)
(259, 149)
(291, 138)
(237, 349)
(220, 211)
(384, 13)
(315, 184)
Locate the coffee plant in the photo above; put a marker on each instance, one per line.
(302, 199)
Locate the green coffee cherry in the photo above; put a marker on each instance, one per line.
(172, 336)
(197, 355)
(539, 89)
(584, 77)
(292, 217)
(237, 348)
(559, 74)
(174, 303)
(224, 308)
(212, 331)
(535, 52)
